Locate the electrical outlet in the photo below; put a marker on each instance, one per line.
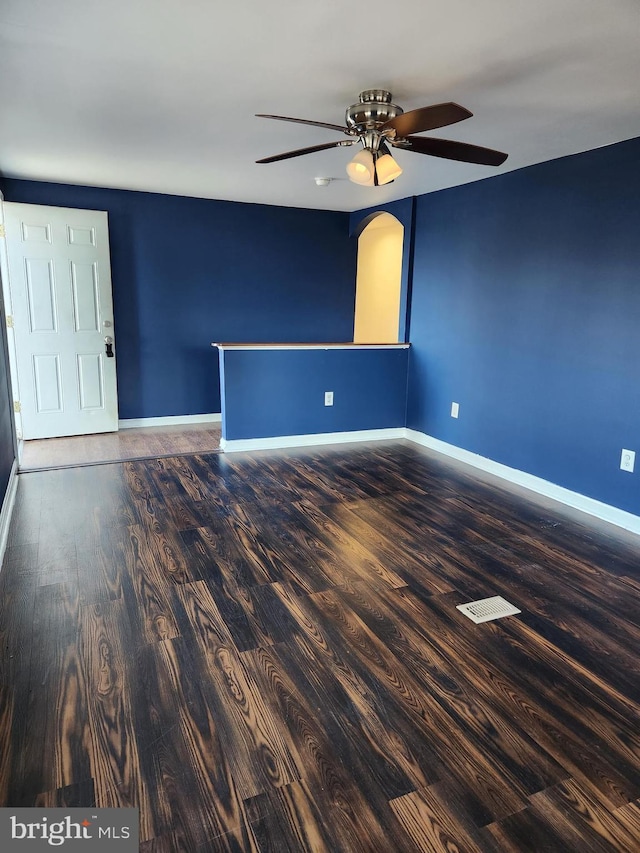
(455, 410)
(628, 460)
(328, 398)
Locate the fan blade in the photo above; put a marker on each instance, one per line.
(338, 127)
(427, 118)
(451, 150)
(300, 151)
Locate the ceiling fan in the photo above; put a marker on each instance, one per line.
(377, 123)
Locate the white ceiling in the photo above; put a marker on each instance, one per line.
(160, 95)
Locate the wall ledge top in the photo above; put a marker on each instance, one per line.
(285, 346)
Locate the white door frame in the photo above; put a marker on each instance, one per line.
(10, 335)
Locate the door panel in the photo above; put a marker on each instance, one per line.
(86, 301)
(41, 295)
(90, 374)
(60, 285)
(48, 383)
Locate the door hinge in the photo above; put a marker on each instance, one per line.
(17, 408)
(2, 231)
(9, 321)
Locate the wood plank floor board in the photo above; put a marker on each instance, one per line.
(146, 586)
(355, 824)
(350, 549)
(316, 555)
(218, 559)
(604, 687)
(211, 471)
(285, 480)
(186, 514)
(205, 803)
(353, 734)
(296, 554)
(51, 747)
(252, 480)
(113, 747)
(620, 678)
(255, 741)
(575, 728)
(432, 827)
(168, 553)
(368, 707)
(288, 820)
(526, 832)
(317, 485)
(501, 791)
(429, 566)
(185, 470)
(386, 547)
(18, 589)
(274, 616)
(17, 603)
(384, 675)
(261, 549)
(550, 548)
(249, 546)
(166, 481)
(629, 816)
(564, 623)
(566, 803)
(468, 708)
(99, 569)
(612, 617)
(170, 842)
(77, 795)
(262, 652)
(586, 588)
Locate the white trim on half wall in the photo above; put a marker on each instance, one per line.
(240, 444)
(174, 420)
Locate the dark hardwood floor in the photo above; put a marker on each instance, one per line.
(262, 653)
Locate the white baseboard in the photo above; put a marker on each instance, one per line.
(7, 509)
(240, 444)
(173, 420)
(612, 514)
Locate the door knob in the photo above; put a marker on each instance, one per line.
(108, 342)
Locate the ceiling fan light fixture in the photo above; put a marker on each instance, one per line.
(387, 169)
(374, 120)
(361, 169)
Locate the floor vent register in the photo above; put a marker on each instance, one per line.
(487, 609)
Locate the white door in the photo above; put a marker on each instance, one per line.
(62, 308)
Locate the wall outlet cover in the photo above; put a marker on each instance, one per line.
(455, 410)
(328, 398)
(628, 460)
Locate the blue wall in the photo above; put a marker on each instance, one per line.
(526, 311)
(281, 392)
(525, 307)
(189, 271)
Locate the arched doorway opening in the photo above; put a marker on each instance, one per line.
(379, 281)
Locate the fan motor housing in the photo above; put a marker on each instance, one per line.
(373, 109)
